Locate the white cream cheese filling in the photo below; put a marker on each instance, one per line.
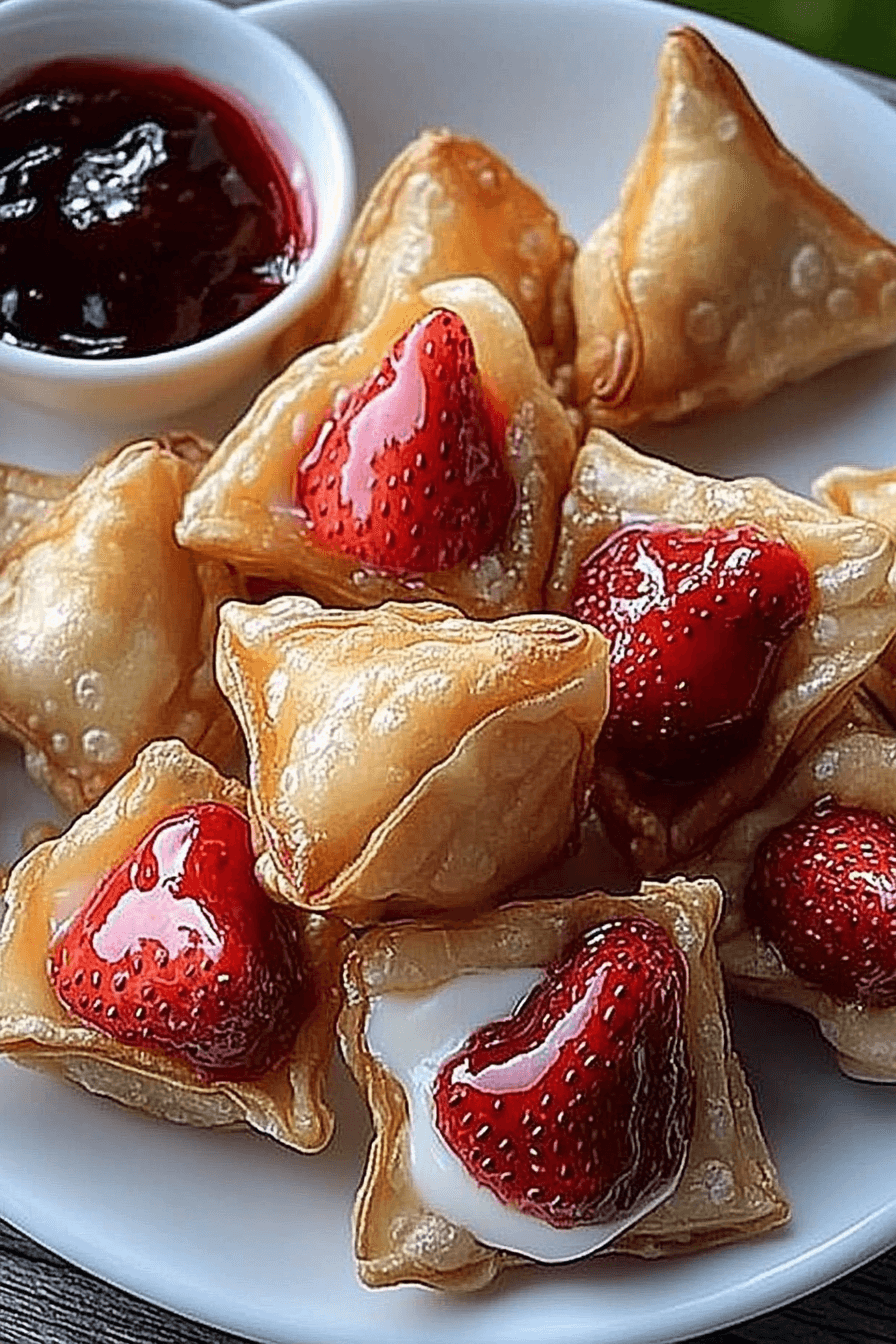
(412, 1035)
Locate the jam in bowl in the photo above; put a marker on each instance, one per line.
(140, 210)
(173, 198)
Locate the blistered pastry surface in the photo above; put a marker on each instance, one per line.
(729, 1188)
(242, 509)
(851, 621)
(408, 753)
(854, 762)
(727, 269)
(107, 627)
(861, 492)
(450, 206)
(288, 1103)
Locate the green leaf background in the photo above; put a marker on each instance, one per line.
(857, 32)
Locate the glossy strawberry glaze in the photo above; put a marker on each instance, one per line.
(415, 1036)
(179, 949)
(407, 474)
(696, 621)
(577, 1107)
(153, 907)
(140, 209)
(823, 892)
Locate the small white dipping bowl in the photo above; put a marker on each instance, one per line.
(300, 121)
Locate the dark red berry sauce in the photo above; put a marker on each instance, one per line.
(140, 210)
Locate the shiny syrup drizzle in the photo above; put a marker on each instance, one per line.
(396, 414)
(153, 906)
(407, 472)
(140, 210)
(178, 948)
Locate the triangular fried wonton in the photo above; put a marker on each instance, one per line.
(449, 206)
(106, 625)
(406, 759)
(852, 766)
(25, 496)
(728, 269)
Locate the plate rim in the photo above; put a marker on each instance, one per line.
(855, 1245)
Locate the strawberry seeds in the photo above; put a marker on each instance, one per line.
(823, 892)
(408, 474)
(696, 622)
(179, 949)
(577, 1108)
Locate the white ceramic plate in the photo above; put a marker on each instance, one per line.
(233, 1230)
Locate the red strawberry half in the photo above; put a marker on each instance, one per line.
(179, 949)
(823, 892)
(408, 475)
(696, 621)
(577, 1109)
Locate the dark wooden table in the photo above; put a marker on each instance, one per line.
(43, 1300)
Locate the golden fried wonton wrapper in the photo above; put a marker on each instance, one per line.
(860, 493)
(242, 507)
(25, 496)
(855, 763)
(448, 206)
(851, 620)
(727, 269)
(288, 1102)
(406, 758)
(729, 1189)
(106, 625)
(871, 495)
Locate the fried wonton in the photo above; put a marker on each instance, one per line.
(408, 759)
(729, 1189)
(48, 885)
(449, 206)
(853, 764)
(243, 507)
(861, 493)
(106, 625)
(851, 619)
(727, 269)
(26, 496)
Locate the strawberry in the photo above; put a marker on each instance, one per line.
(408, 473)
(696, 621)
(823, 892)
(577, 1108)
(179, 949)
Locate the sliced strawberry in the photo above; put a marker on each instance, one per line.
(179, 949)
(696, 621)
(823, 892)
(577, 1108)
(408, 474)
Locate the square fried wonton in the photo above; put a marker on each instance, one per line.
(851, 619)
(729, 1188)
(288, 1102)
